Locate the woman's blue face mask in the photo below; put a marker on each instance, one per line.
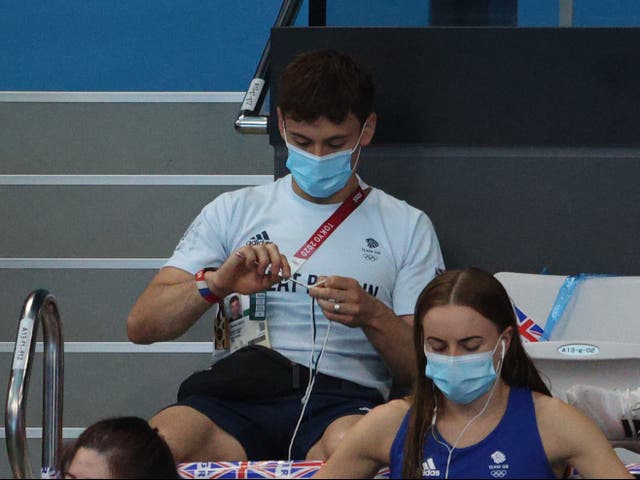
(463, 378)
(321, 176)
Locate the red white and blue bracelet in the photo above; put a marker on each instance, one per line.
(203, 288)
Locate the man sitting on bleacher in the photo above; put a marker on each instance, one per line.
(368, 254)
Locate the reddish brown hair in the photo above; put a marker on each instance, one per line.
(482, 292)
(131, 447)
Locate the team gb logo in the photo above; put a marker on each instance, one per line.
(371, 254)
(372, 243)
(498, 457)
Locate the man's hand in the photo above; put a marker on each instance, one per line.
(343, 300)
(250, 269)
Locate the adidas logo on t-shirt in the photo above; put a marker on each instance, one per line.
(259, 238)
(429, 468)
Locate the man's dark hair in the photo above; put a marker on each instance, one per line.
(326, 83)
(130, 446)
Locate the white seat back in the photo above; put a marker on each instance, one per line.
(595, 342)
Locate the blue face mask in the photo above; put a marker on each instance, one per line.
(463, 378)
(322, 176)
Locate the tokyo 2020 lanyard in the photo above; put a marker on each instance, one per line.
(324, 231)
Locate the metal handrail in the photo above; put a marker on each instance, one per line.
(40, 306)
(249, 119)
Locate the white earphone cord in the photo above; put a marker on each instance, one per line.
(312, 371)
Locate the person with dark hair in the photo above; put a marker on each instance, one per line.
(479, 408)
(319, 237)
(119, 447)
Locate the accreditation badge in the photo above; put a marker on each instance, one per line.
(241, 320)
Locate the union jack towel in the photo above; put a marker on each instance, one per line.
(259, 469)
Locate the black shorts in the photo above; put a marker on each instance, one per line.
(265, 427)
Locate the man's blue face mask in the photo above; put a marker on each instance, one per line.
(321, 176)
(463, 378)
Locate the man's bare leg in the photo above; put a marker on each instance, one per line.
(331, 437)
(193, 437)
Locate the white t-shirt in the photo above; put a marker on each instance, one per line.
(388, 246)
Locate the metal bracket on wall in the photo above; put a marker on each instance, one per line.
(565, 13)
(249, 119)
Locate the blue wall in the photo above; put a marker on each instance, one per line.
(196, 45)
(115, 45)
(609, 13)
